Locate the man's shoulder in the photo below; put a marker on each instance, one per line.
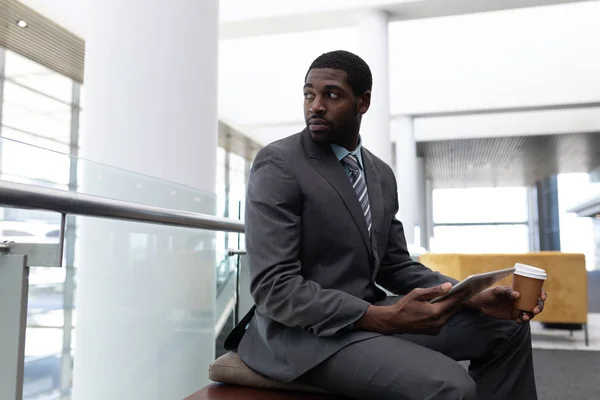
(285, 146)
(381, 166)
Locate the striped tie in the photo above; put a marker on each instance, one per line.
(360, 186)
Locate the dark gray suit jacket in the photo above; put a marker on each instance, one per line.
(313, 265)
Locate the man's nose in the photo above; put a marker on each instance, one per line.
(318, 106)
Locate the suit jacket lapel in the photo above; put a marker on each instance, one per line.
(375, 192)
(327, 164)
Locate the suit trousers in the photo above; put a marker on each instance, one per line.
(424, 367)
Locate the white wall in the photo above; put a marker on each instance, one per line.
(261, 78)
(534, 56)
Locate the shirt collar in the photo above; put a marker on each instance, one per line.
(341, 152)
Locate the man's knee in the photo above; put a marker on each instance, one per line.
(518, 334)
(456, 387)
(450, 382)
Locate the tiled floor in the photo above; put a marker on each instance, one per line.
(556, 339)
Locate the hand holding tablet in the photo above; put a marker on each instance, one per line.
(474, 284)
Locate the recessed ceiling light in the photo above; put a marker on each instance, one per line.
(21, 23)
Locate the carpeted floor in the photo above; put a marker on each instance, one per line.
(567, 375)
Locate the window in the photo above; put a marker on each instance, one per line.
(480, 220)
(32, 75)
(477, 239)
(499, 204)
(35, 140)
(35, 113)
(577, 235)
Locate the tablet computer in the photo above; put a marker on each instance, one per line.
(475, 284)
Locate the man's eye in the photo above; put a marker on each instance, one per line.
(333, 95)
(308, 96)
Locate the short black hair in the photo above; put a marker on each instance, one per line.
(358, 72)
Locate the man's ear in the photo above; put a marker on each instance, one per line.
(364, 102)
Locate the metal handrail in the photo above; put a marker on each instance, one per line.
(18, 195)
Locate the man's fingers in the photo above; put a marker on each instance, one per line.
(453, 303)
(433, 292)
(543, 295)
(506, 291)
(539, 308)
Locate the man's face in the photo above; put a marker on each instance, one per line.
(331, 109)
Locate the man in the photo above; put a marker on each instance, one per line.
(321, 233)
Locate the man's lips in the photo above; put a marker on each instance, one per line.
(317, 124)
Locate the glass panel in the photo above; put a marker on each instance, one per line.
(145, 310)
(34, 140)
(24, 163)
(477, 239)
(225, 285)
(111, 182)
(35, 76)
(501, 204)
(145, 295)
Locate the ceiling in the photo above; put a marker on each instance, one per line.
(508, 161)
(242, 18)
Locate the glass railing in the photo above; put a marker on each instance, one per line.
(134, 310)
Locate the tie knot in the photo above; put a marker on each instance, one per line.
(351, 162)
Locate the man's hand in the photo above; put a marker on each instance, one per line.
(412, 313)
(498, 302)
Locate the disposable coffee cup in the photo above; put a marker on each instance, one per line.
(528, 281)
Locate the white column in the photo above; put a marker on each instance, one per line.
(150, 88)
(375, 128)
(429, 233)
(146, 293)
(422, 202)
(406, 174)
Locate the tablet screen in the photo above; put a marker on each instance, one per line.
(475, 284)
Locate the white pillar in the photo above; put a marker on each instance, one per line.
(146, 293)
(422, 202)
(150, 88)
(375, 128)
(406, 174)
(429, 233)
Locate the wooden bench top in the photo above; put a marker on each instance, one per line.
(217, 391)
